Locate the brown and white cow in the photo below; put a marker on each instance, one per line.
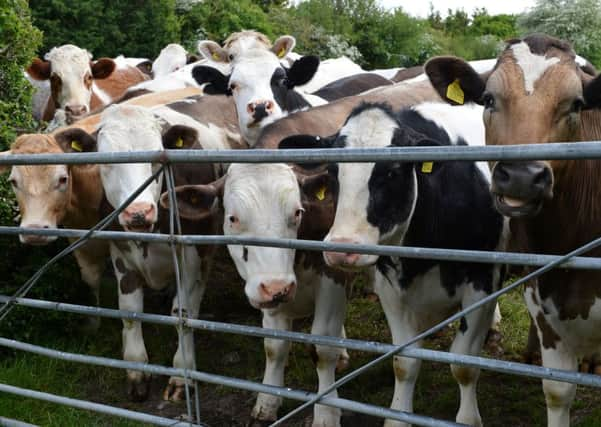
(80, 85)
(539, 93)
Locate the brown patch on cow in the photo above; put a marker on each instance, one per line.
(117, 84)
(218, 110)
(120, 266)
(463, 374)
(541, 44)
(399, 373)
(549, 336)
(39, 69)
(407, 73)
(132, 94)
(130, 281)
(234, 37)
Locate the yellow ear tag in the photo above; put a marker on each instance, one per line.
(321, 193)
(216, 56)
(179, 143)
(282, 52)
(455, 93)
(76, 146)
(427, 167)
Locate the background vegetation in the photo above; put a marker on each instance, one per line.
(360, 29)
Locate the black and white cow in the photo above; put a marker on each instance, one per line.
(264, 90)
(276, 200)
(423, 204)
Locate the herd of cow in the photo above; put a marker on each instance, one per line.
(252, 94)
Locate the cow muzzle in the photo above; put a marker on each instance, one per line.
(275, 292)
(347, 260)
(521, 188)
(34, 239)
(139, 217)
(258, 110)
(75, 112)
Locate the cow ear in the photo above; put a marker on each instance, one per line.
(103, 68)
(305, 141)
(190, 58)
(217, 82)
(39, 69)
(194, 202)
(592, 93)
(283, 46)
(302, 70)
(180, 137)
(76, 140)
(428, 167)
(455, 80)
(212, 51)
(5, 168)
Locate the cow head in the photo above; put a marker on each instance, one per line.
(535, 94)
(263, 89)
(240, 42)
(71, 73)
(126, 128)
(375, 200)
(171, 58)
(44, 192)
(260, 200)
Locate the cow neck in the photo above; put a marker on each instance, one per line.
(86, 196)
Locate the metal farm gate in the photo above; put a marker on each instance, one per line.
(584, 150)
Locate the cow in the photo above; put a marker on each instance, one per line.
(423, 204)
(264, 90)
(50, 196)
(78, 84)
(171, 58)
(540, 92)
(137, 265)
(276, 200)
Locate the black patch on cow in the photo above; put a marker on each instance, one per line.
(217, 83)
(454, 208)
(351, 85)
(130, 281)
(463, 325)
(286, 98)
(120, 266)
(302, 71)
(245, 253)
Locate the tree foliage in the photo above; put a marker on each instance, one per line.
(577, 21)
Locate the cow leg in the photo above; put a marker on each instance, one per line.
(330, 310)
(558, 395)
(193, 288)
(343, 359)
(494, 337)
(469, 340)
(403, 326)
(276, 357)
(131, 298)
(91, 267)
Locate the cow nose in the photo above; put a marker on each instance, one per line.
(32, 239)
(277, 291)
(341, 258)
(260, 109)
(523, 180)
(75, 110)
(139, 215)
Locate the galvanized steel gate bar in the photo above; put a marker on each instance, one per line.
(590, 150)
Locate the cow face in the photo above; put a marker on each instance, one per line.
(43, 192)
(535, 94)
(375, 200)
(172, 58)
(71, 73)
(262, 88)
(131, 128)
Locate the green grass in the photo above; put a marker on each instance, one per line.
(505, 400)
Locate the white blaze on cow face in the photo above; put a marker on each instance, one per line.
(71, 78)
(532, 66)
(172, 58)
(251, 85)
(370, 129)
(124, 129)
(264, 201)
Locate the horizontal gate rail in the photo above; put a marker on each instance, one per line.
(285, 392)
(533, 260)
(501, 366)
(92, 406)
(554, 151)
(7, 422)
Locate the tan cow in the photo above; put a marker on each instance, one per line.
(537, 93)
(80, 85)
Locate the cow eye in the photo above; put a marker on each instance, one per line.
(62, 181)
(488, 100)
(298, 215)
(233, 86)
(577, 105)
(13, 182)
(231, 56)
(233, 219)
